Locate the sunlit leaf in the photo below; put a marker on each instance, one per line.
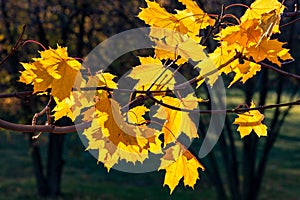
(157, 16)
(177, 122)
(259, 7)
(180, 163)
(135, 115)
(115, 139)
(269, 49)
(251, 120)
(151, 71)
(54, 69)
(200, 16)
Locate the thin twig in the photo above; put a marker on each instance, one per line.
(20, 95)
(292, 14)
(15, 47)
(294, 76)
(46, 111)
(289, 23)
(235, 5)
(43, 128)
(42, 112)
(36, 42)
(216, 25)
(235, 110)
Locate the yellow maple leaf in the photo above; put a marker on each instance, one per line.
(247, 38)
(151, 70)
(63, 108)
(54, 69)
(244, 34)
(180, 163)
(28, 75)
(251, 120)
(115, 139)
(100, 79)
(200, 16)
(259, 7)
(190, 22)
(269, 49)
(243, 71)
(175, 44)
(61, 88)
(209, 71)
(177, 121)
(157, 16)
(135, 115)
(221, 55)
(269, 23)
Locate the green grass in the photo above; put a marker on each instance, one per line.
(282, 178)
(83, 178)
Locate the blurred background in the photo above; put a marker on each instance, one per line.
(56, 166)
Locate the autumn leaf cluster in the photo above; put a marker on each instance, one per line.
(130, 135)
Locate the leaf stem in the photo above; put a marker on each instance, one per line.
(34, 41)
(237, 4)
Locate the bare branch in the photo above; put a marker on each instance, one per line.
(294, 76)
(235, 110)
(43, 128)
(42, 112)
(15, 47)
(289, 23)
(292, 14)
(20, 95)
(215, 26)
(46, 111)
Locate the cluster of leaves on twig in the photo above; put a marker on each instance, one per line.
(242, 46)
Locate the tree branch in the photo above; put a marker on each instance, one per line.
(280, 71)
(73, 128)
(43, 128)
(292, 14)
(15, 47)
(236, 110)
(265, 65)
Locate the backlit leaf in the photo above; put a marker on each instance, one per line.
(157, 16)
(54, 69)
(251, 120)
(180, 163)
(269, 49)
(115, 139)
(175, 44)
(200, 16)
(244, 71)
(135, 115)
(259, 7)
(151, 70)
(177, 122)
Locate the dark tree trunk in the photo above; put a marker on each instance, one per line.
(49, 185)
(48, 178)
(55, 163)
(40, 178)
